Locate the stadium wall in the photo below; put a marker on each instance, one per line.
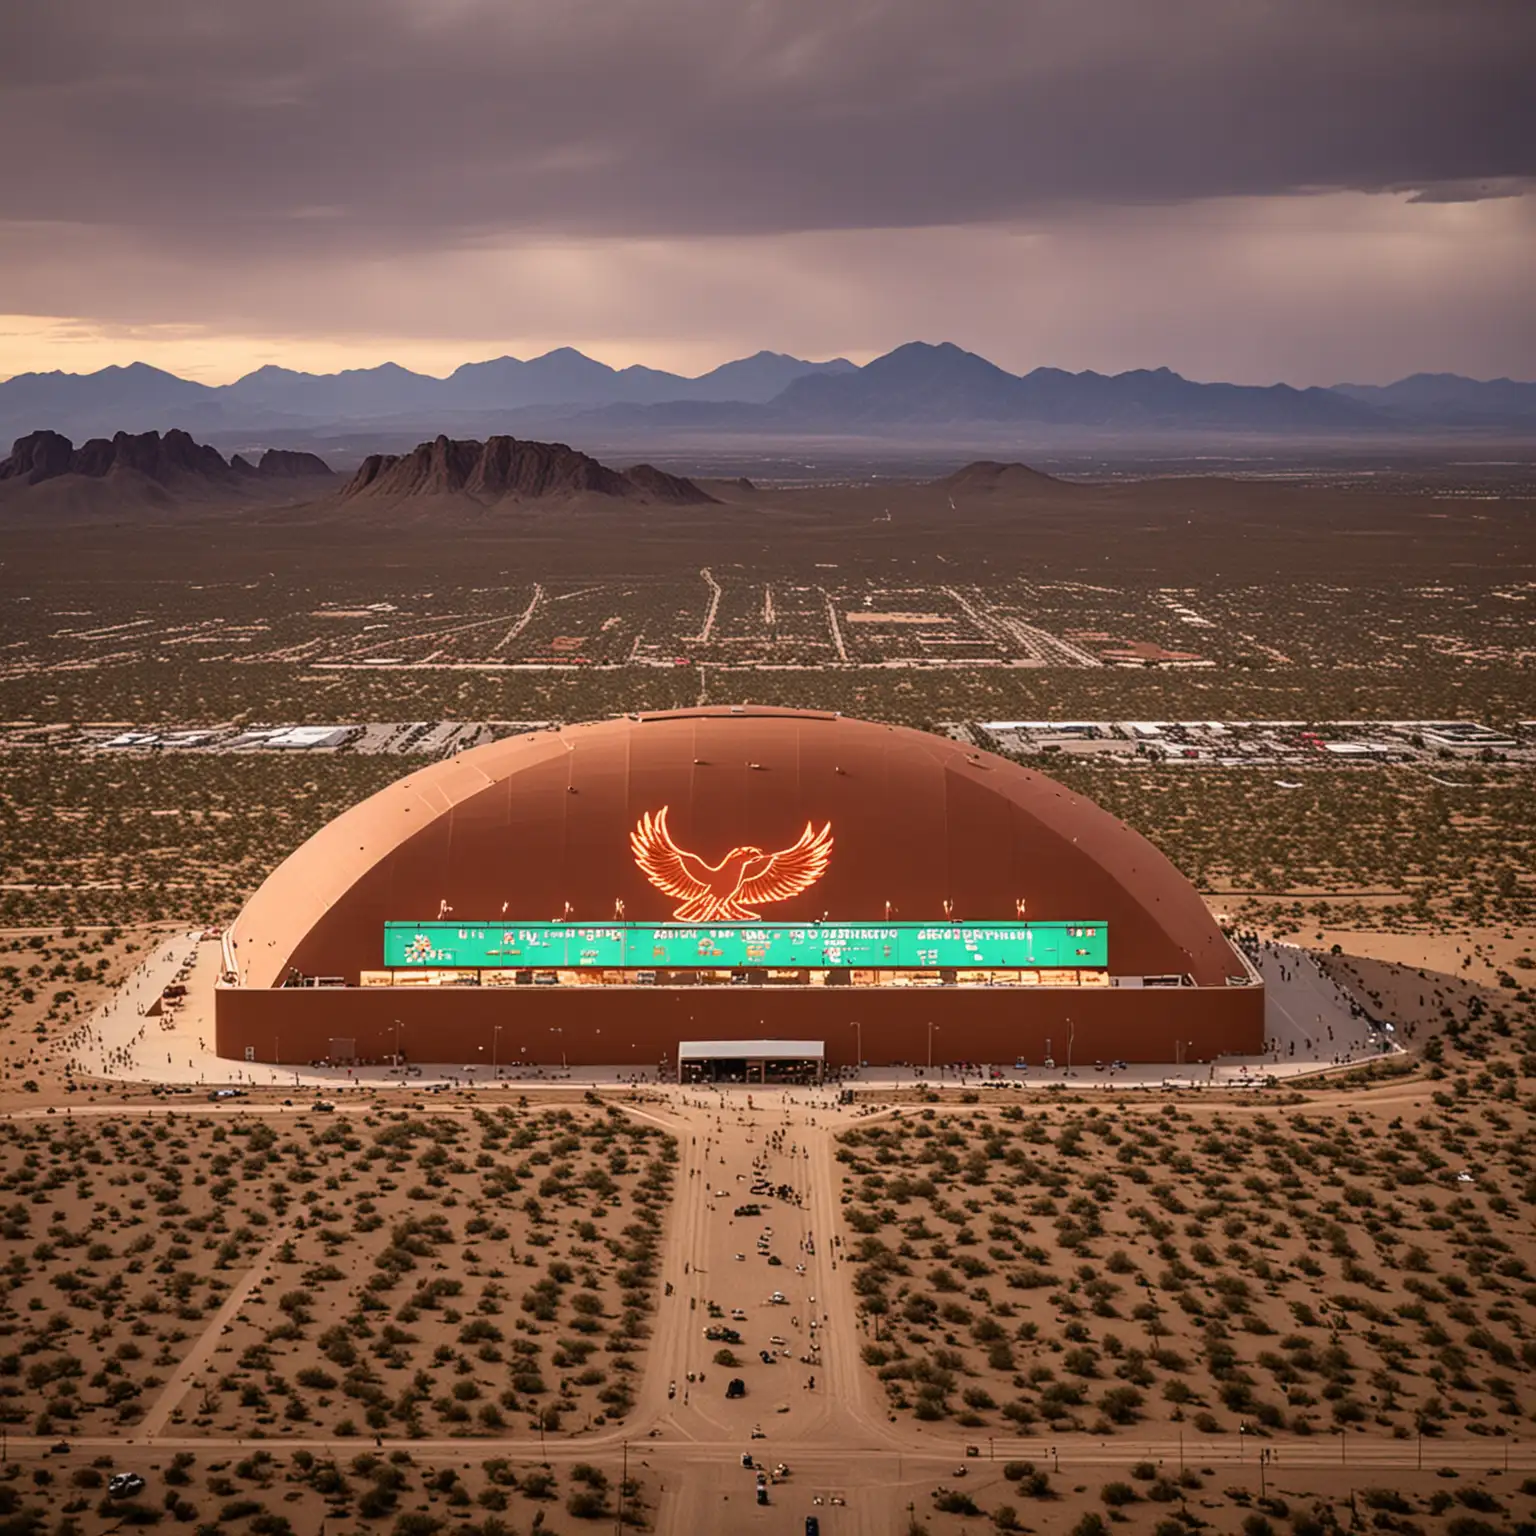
(610, 1026)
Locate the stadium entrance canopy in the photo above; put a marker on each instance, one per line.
(751, 1061)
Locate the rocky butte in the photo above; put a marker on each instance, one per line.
(505, 468)
(170, 460)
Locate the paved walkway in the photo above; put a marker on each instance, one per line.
(1310, 1020)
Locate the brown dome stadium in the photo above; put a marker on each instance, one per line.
(550, 826)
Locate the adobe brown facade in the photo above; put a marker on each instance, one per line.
(537, 828)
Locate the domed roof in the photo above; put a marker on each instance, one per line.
(553, 824)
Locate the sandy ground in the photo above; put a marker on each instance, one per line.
(1478, 953)
(838, 1438)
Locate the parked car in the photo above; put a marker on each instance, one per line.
(124, 1485)
(736, 1387)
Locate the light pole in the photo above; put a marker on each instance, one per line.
(398, 1064)
(623, 1482)
(859, 1036)
(555, 1029)
(496, 1030)
(1071, 1036)
(931, 1027)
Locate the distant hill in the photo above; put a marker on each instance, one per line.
(504, 468)
(986, 477)
(938, 389)
(283, 464)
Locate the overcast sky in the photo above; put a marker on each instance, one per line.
(1309, 190)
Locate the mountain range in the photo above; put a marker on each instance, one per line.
(919, 387)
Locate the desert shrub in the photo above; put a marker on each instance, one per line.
(539, 1485)
(953, 1502)
(416, 1523)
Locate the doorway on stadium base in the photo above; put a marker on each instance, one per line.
(749, 1062)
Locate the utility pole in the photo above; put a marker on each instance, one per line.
(618, 1525)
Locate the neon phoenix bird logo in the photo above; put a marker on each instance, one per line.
(744, 878)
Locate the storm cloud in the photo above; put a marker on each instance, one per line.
(370, 137)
